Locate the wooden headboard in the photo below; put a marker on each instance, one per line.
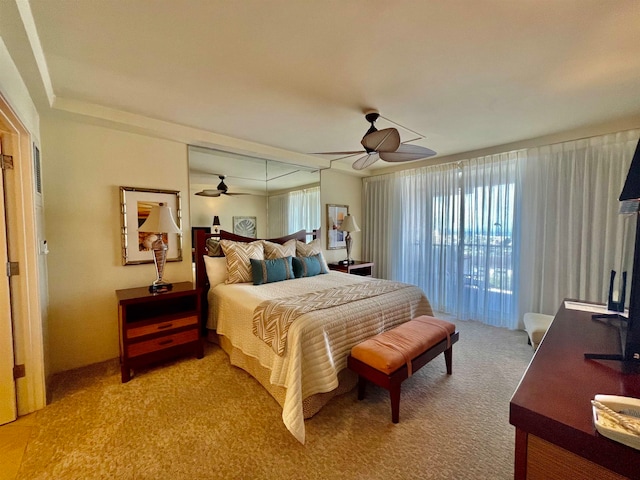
(201, 249)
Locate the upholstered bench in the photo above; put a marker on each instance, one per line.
(536, 325)
(389, 358)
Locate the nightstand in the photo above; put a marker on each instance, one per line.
(364, 269)
(155, 327)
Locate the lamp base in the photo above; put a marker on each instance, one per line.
(346, 262)
(160, 287)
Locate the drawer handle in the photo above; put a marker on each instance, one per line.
(166, 325)
(166, 342)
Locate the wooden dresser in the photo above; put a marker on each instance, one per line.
(551, 410)
(154, 327)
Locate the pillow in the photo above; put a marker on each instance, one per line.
(309, 266)
(271, 270)
(275, 250)
(216, 268)
(213, 247)
(238, 256)
(309, 249)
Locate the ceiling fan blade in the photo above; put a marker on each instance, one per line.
(408, 154)
(406, 148)
(387, 140)
(209, 193)
(233, 194)
(366, 161)
(338, 153)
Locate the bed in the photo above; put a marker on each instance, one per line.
(294, 336)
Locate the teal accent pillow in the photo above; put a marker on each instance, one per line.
(274, 270)
(308, 266)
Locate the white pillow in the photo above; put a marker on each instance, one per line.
(216, 268)
(238, 255)
(275, 250)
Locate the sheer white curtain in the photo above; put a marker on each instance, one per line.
(494, 237)
(572, 233)
(304, 209)
(294, 211)
(449, 229)
(490, 239)
(278, 211)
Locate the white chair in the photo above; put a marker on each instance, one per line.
(536, 325)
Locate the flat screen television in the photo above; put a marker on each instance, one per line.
(630, 325)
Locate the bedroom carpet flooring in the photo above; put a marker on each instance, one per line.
(205, 419)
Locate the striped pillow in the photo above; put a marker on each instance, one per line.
(213, 247)
(272, 270)
(276, 250)
(239, 257)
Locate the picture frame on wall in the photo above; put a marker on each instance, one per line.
(335, 215)
(135, 205)
(245, 226)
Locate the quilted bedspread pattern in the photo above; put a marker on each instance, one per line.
(272, 318)
(318, 341)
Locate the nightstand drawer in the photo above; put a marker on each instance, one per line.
(136, 349)
(169, 325)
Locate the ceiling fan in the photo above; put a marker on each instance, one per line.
(384, 144)
(221, 189)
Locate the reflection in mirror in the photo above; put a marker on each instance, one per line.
(283, 197)
(294, 198)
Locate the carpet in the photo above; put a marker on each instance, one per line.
(205, 419)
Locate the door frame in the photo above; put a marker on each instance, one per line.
(27, 311)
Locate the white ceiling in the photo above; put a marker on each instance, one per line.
(297, 74)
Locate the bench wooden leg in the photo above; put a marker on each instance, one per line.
(362, 385)
(448, 359)
(395, 403)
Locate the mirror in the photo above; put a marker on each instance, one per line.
(283, 198)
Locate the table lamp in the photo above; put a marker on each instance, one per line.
(159, 221)
(348, 225)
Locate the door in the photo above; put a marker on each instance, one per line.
(7, 384)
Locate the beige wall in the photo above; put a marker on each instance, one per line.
(83, 167)
(341, 189)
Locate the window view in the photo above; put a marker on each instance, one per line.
(470, 265)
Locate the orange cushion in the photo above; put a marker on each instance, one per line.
(389, 350)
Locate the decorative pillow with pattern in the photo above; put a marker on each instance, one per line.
(310, 249)
(213, 247)
(276, 250)
(272, 270)
(309, 266)
(239, 257)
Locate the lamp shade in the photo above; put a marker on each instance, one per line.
(349, 224)
(216, 221)
(159, 220)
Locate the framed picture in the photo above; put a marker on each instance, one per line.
(135, 205)
(335, 215)
(245, 226)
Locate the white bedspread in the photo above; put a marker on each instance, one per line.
(318, 342)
